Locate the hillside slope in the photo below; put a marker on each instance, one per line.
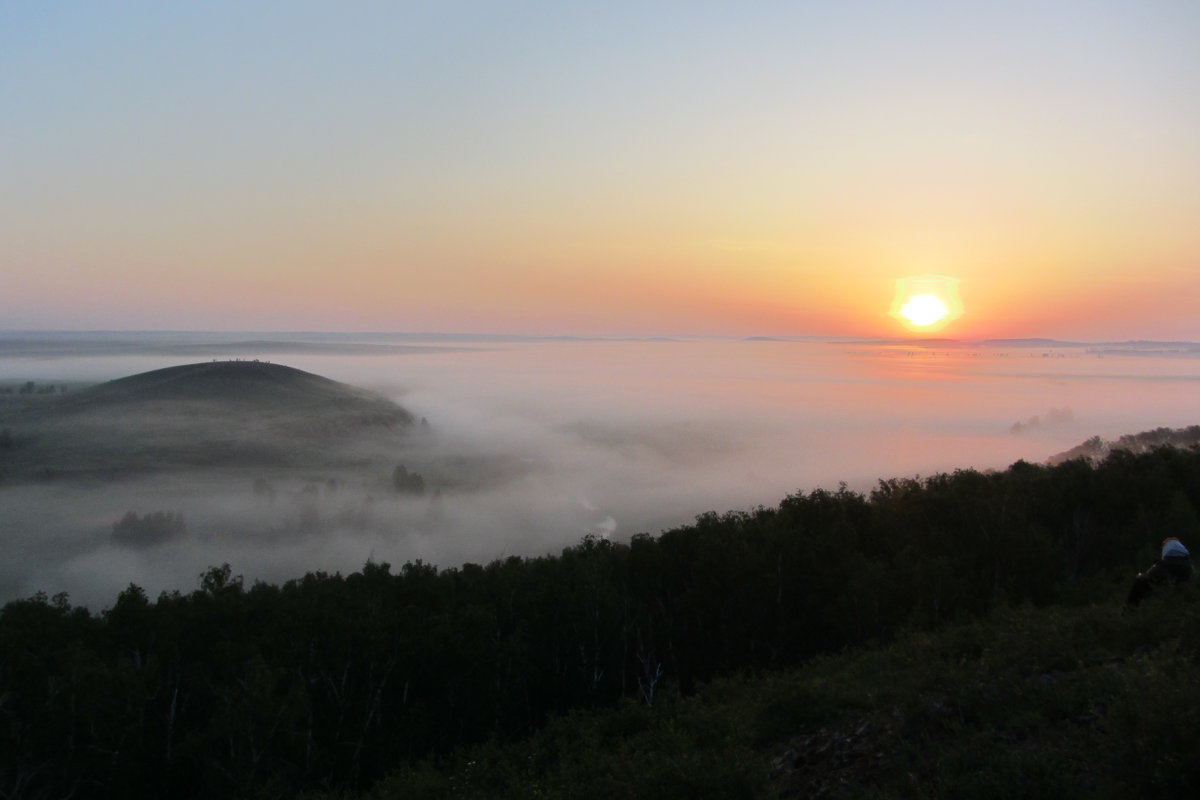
(964, 635)
(212, 414)
(1067, 702)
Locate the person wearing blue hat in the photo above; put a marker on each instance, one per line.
(1174, 565)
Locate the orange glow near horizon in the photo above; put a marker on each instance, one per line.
(926, 303)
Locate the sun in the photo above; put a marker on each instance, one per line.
(924, 310)
(926, 303)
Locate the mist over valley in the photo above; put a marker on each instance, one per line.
(125, 458)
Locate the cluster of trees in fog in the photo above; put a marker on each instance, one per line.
(32, 387)
(1096, 449)
(148, 529)
(407, 482)
(331, 681)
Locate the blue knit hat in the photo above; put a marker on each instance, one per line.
(1174, 547)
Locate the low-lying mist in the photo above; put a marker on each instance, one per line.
(531, 445)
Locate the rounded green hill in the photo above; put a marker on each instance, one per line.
(211, 414)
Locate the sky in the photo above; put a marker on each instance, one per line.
(615, 168)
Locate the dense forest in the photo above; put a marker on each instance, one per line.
(332, 683)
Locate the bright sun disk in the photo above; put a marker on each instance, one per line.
(924, 309)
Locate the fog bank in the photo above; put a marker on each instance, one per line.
(532, 445)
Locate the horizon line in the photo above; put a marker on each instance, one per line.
(614, 337)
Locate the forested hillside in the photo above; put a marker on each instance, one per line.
(1097, 449)
(1071, 702)
(333, 682)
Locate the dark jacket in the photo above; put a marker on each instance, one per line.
(1172, 568)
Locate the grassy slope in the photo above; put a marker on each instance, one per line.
(1066, 702)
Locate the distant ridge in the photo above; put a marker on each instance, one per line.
(1028, 342)
(1131, 347)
